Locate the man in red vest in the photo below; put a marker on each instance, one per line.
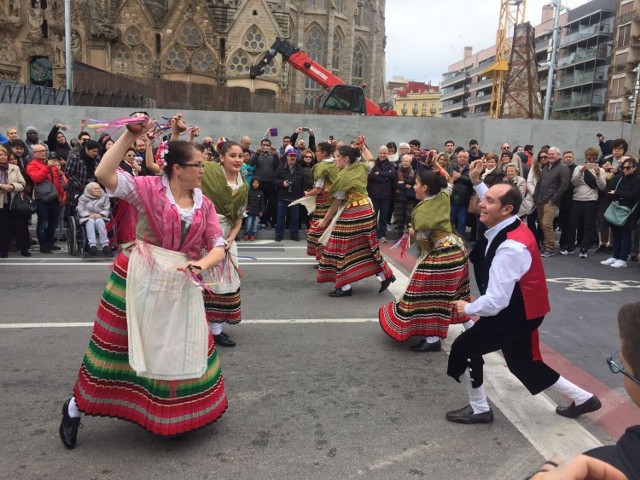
(514, 300)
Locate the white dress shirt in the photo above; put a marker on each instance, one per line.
(511, 261)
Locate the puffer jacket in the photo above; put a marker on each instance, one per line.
(88, 204)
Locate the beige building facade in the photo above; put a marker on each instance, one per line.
(201, 41)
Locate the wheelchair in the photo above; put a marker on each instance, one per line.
(76, 235)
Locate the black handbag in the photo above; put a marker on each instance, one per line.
(46, 192)
(22, 205)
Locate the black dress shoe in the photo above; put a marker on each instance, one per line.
(296, 239)
(223, 340)
(69, 427)
(4, 255)
(341, 293)
(386, 282)
(316, 266)
(466, 415)
(574, 411)
(25, 253)
(45, 250)
(424, 346)
(54, 247)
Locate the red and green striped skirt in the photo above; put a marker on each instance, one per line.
(108, 386)
(352, 252)
(223, 307)
(323, 202)
(425, 309)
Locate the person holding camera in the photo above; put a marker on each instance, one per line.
(290, 184)
(300, 144)
(48, 187)
(266, 162)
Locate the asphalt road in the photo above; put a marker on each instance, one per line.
(316, 389)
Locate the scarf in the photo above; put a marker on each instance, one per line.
(433, 214)
(4, 173)
(228, 202)
(352, 179)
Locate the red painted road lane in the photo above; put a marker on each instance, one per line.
(617, 412)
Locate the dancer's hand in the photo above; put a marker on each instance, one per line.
(194, 267)
(459, 305)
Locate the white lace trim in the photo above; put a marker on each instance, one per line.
(186, 214)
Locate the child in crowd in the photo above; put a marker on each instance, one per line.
(404, 196)
(93, 210)
(247, 170)
(255, 209)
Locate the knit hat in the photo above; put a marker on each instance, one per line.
(290, 150)
(31, 129)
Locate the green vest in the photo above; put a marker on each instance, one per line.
(352, 179)
(434, 214)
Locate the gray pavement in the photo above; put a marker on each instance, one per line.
(319, 400)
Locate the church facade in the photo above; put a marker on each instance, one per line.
(201, 41)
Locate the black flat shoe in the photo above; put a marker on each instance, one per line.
(316, 266)
(68, 427)
(25, 253)
(54, 247)
(466, 415)
(45, 250)
(424, 346)
(341, 293)
(386, 282)
(574, 411)
(223, 340)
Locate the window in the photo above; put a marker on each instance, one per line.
(314, 46)
(624, 35)
(122, 59)
(203, 61)
(357, 72)
(337, 53)
(317, 4)
(40, 72)
(362, 15)
(133, 37)
(190, 35)
(254, 40)
(340, 6)
(240, 63)
(177, 58)
(143, 55)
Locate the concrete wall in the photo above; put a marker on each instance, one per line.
(567, 135)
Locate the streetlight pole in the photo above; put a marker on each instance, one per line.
(552, 65)
(67, 47)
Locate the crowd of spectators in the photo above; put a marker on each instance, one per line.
(561, 190)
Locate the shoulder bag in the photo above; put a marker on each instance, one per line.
(617, 214)
(46, 191)
(22, 205)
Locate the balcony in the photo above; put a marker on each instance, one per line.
(486, 83)
(484, 99)
(582, 78)
(591, 54)
(448, 82)
(578, 101)
(542, 44)
(454, 107)
(584, 34)
(452, 94)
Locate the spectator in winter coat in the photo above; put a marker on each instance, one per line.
(93, 210)
(289, 181)
(255, 210)
(380, 184)
(404, 199)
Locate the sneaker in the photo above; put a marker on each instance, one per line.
(252, 237)
(608, 261)
(547, 254)
(566, 251)
(245, 237)
(619, 264)
(582, 254)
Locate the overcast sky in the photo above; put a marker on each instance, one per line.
(424, 37)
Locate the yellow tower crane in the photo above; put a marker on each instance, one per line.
(511, 14)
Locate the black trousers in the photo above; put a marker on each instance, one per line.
(271, 199)
(15, 226)
(518, 340)
(583, 215)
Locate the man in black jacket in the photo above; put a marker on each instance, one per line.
(266, 163)
(461, 193)
(289, 182)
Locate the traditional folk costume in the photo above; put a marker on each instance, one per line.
(323, 174)
(230, 202)
(351, 251)
(151, 358)
(441, 276)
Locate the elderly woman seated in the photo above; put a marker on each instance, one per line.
(93, 210)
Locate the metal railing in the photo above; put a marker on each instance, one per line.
(584, 100)
(589, 32)
(583, 57)
(578, 78)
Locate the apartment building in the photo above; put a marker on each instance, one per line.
(625, 58)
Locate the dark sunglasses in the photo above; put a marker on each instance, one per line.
(627, 167)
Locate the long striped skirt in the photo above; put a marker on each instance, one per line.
(441, 277)
(323, 202)
(223, 307)
(108, 386)
(352, 251)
